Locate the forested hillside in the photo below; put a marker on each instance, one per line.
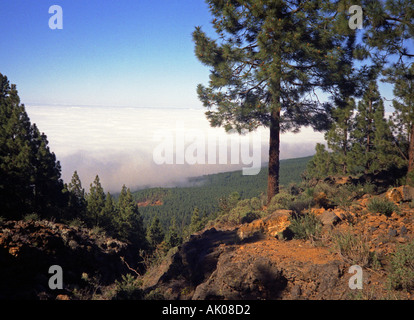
(207, 191)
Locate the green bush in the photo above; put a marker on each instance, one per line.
(31, 217)
(309, 192)
(342, 195)
(300, 204)
(128, 289)
(154, 295)
(282, 200)
(383, 206)
(335, 195)
(77, 223)
(245, 211)
(326, 188)
(402, 268)
(294, 189)
(255, 203)
(307, 226)
(360, 189)
(369, 188)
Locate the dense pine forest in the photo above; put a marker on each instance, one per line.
(207, 191)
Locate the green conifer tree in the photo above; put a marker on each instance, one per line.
(76, 198)
(129, 222)
(269, 58)
(173, 238)
(389, 29)
(196, 221)
(389, 35)
(372, 141)
(95, 203)
(337, 138)
(322, 164)
(29, 172)
(155, 234)
(403, 117)
(108, 214)
(46, 176)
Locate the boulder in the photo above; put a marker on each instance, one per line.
(252, 278)
(329, 218)
(29, 248)
(403, 193)
(272, 225)
(407, 193)
(321, 200)
(213, 266)
(192, 263)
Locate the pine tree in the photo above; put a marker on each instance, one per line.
(268, 60)
(387, 155)
(350, 82)
(46, 175)
(372, 141)
(196, 221)
(16, 185)
(96, 203)
(155, 234)
(172, 238)
(322, 164)
(129, 223)
(75, 187)
(76, 198)
(403, 118)
(389, 28)
(389, 34)
(29, 172)
(108, 214)
(337, 138)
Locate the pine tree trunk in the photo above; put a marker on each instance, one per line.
(369, 127)
(345, 147)
(369, 131)
(411, 152)
(274, 144)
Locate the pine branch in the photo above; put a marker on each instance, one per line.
(131, 269)
(255, 87)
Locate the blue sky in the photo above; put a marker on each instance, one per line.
(111, 53)
(127, 53)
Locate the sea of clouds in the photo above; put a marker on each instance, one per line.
(118, 144)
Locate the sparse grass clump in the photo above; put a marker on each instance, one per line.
(353, 249)
(77, 223)
(306, 227)
(401, 275)
(382, 206)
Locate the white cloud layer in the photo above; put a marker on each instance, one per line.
(118, 143)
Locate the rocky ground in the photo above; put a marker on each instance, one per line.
(29, 248)
(259, 260)
(256, 260)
